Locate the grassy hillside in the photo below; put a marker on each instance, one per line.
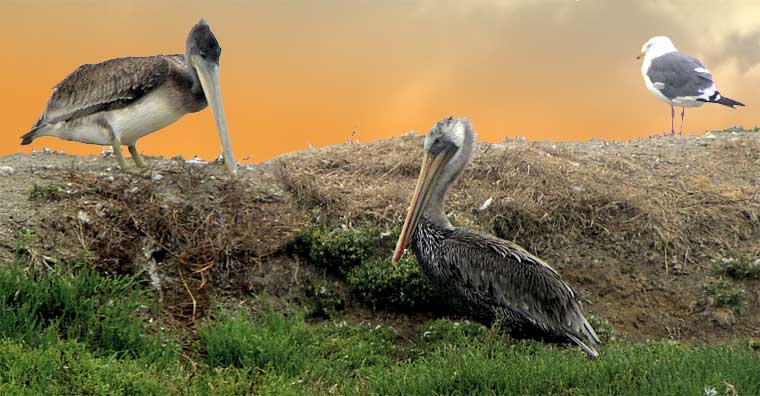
(181, 281)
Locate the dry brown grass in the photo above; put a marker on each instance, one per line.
(633, 226)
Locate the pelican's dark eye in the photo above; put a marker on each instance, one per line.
(203, 55)
(439, 145)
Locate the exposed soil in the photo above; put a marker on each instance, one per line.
(635, 227)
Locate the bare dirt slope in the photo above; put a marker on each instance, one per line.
(636, 227)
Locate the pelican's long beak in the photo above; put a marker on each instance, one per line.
(208, 73)
(641, 55)
(432, 164)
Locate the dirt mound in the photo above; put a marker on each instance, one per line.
(636, 227)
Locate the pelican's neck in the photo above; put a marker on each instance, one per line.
(197, 88)
(436, 212)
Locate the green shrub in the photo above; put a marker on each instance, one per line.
(377, 284)
(322, 300)
(266, 342)
(722, 292)
(336, 250)
(738, 268)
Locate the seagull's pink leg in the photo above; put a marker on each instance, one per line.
(683, 111)
(672, 120)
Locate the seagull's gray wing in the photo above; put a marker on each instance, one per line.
(677, 76)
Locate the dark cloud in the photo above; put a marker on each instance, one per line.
(744, 49)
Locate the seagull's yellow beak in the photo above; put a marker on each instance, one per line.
(641, 55)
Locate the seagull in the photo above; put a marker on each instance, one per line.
(678, 79)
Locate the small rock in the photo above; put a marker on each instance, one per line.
(100, 210)
(6, 170)
(486, 204)
(157, 177)
(723, 317)
(196, 160)
(83, 217)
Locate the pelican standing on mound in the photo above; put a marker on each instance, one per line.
(498, 278)
(121, 100)
(678, 79)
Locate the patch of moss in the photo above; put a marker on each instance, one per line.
(377, 284)
(337, 250)
(738, 267)
(51, 192)
(602, 327)
(322, 300)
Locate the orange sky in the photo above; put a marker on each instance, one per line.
(295, 73)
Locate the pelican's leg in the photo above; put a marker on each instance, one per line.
(116, 144)
(672, 120)
(136, 156)
(683, 111)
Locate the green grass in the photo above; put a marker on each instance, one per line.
(102, 313)
(76, 332)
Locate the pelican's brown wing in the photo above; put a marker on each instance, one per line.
(506, 275)
(107, 85)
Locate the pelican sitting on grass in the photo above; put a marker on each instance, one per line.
(118, 101)
(498, 278)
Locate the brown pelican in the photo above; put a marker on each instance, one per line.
(498, 279)
(121, 100)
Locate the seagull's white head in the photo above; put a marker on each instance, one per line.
(656, 46)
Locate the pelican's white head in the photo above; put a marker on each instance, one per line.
(454, 136)
(656, 46)
(447, 149)
(449, 130)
